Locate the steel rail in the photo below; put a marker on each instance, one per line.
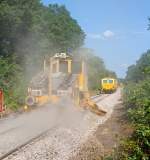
(17, 148)
(101, 98)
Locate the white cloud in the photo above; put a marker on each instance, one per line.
(103, 36)
(108, 34)
(95, 36)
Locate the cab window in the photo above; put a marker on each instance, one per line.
(104, 81)
(110, 81)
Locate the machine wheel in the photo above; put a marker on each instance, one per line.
(30, 101)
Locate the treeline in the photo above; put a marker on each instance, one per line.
(31, 31)
(141, 70)
(137, 103)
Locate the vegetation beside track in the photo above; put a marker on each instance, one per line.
(137, 103)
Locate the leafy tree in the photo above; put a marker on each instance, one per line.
(149, 23)
(27, 24)
(140, 70)
(65, 33)
(16, 19)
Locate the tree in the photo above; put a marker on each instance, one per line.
(149, 23)
(16, 19)
(28, 26)
(140, 70)
(64, 31)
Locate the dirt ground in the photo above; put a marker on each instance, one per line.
(107, 138)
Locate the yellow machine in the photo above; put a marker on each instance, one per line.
(108, 85)
(62, 76)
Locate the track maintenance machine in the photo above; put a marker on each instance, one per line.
(109, 85)
(62, 76)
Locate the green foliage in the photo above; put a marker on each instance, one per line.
(33, 31)
(11, 82)
(64, 32)
(27, 24)
(137, 102)
(140, 70)
(132, 151)
(149, 23)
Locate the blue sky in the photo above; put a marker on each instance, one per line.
(115, 29)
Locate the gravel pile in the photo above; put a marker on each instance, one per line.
(66, 139)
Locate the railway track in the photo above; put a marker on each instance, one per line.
(17, 148)
(94, 97)
(14, 151)
(100, 97)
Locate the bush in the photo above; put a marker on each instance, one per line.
(12, 82)
(137, 102)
